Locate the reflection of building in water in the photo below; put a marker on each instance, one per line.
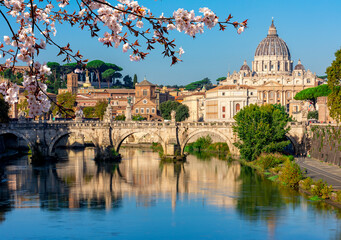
(81, 182)
(142, 175)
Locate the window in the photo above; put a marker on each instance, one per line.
(223, 115)
(136, 110)
(308, 80)
(271, 94)
(272, 67)
(153, 110)
(223, 110)
(288, 94)
(251, 93)
(234, 81)
(223, 94)
(265, 67)
(142, 110)
(145, 93)
(147, 110)
(237, 107)
(144, 101)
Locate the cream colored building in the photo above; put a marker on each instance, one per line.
(272, 73)
(223, 102)
(196, 105)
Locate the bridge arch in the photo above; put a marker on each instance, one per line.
(63, 134)
(18, 135)
(127, 134)
(208, 131)
(294, 143)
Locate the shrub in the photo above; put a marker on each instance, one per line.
(291, 174)
(266, 161)
(338, 196)
(306, 183)
(321, 189)
(120, 118)
(326, 191)
(313, 115)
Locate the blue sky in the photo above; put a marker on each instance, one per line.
(311, 30)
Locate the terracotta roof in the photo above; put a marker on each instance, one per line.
(145, 83)
(194, 94)
(224, 87)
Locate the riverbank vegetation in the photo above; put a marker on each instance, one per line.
(204, 149)
(282, 169)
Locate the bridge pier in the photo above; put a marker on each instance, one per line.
(172, 150)
(107, 153)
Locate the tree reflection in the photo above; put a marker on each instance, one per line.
(5, 204)
(258, 198)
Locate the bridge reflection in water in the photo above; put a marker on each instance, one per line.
(142, 174)
(78, 182)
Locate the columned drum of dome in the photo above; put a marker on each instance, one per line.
(272, 55)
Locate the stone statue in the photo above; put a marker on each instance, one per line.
(21, 116)
(173, 114)
(129, 98)
(108, 114)
(79, 113)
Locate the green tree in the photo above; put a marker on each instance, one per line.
(220, 79)
(97, 66)
(89, 112)
(182, 113)
(23, 106)
(167, 107)
(313, 115)
(135, 80)
(128, 82)
(67, 101)
(4, 108)
(114, 67)
(108, 75)
(120, 118)
(334, 83)
(138, 117)
(199, 84)
(100, 108)
(261, 129)
(54, 81)
(311, 94)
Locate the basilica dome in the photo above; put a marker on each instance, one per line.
(272, 45)
(299, 66)
(245, 67)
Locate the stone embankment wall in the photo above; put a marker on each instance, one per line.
(325, 143)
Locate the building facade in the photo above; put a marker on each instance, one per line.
(196, 106)
(145, 100)
(223, 102)
(273, 74)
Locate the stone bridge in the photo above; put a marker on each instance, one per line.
(172, 136)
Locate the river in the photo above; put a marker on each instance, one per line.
(144, 198)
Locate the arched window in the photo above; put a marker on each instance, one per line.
(288, 94)
(271, 95)
(237, 107)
